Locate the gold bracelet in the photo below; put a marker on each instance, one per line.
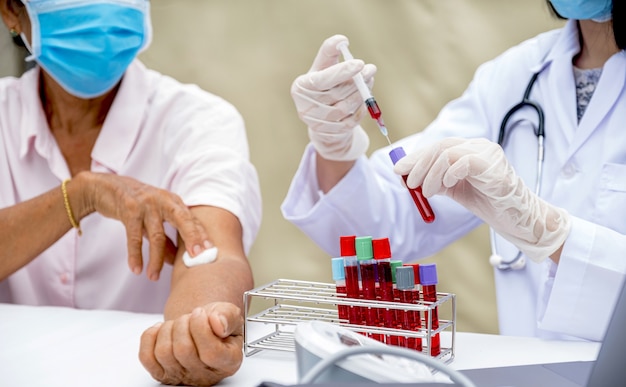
(70, 214)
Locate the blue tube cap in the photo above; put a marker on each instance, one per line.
(396, 154)
(339, 272)
(428, 274)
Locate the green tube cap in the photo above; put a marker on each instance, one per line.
(364, 248)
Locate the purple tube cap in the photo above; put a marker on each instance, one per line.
(428, 274)
(396, 154)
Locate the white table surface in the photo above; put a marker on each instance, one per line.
(50, 346)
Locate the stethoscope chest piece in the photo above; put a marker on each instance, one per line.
(518, 263)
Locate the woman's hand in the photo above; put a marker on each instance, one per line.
(328, 101)
(200, 348)
(476, 173)
(142, 209)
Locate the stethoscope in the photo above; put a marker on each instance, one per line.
(519, 261)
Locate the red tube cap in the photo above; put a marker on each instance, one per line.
(381, 248)
(347, 245)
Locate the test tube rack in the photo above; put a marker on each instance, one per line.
(299, 301)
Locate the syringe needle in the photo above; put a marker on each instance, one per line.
(383, 130)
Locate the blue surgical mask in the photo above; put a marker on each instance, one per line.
(596, 10)
(87, 45)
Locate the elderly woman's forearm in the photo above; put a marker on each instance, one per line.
(30, 227)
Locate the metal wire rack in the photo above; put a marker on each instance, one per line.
(292, 302)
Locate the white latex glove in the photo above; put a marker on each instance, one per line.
(476, 173)
(327, 100)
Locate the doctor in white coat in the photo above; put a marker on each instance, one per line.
(572, 229)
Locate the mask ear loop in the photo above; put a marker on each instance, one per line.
(34, 47)
(147, 27)
(31, 57)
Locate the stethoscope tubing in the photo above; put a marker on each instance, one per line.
(540, 133)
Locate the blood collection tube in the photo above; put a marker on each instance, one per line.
(384, 291)
(395, 263)
(428, 278)
(339, 276)
(423, 206)
(367, 267)
(416, 273)
(394, 339)
(351, 269)
(417, 316)
(408, 295)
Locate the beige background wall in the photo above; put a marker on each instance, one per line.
(10, 56)
(426, 51)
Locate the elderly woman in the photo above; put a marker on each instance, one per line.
(99, 154)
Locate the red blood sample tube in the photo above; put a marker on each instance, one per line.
(395, 263)
(351, 269)
(367, 268)
(421, 202)
(408, 295)
(417, 316)
(396, 323)
(428, 278)
(384, 291)
(339, 276)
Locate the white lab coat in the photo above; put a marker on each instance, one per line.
(584, 172)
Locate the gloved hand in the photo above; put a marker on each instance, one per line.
(327, 100)
(476, 173)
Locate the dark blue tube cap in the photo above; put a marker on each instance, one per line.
(428, 274)
(396, 154)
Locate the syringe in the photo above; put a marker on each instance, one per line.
(396, 154)
(368, 98)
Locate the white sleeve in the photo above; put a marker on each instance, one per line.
(209, 160)
(587, 282)
(371, 200)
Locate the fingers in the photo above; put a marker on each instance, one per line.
(427, 166)
(446, 163)
(368, 72)
(318, 115)
(199, 348)
(221, 325)
(331, 96)
(225, 319)
(148, 222)
(469, 159)
(134, 235)
(332, 77)
(328, 102)
(143, 209)
(333, 83)
(189, 227)
(184, 350)
(158, 241)
(328, 53)
(147, 355)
